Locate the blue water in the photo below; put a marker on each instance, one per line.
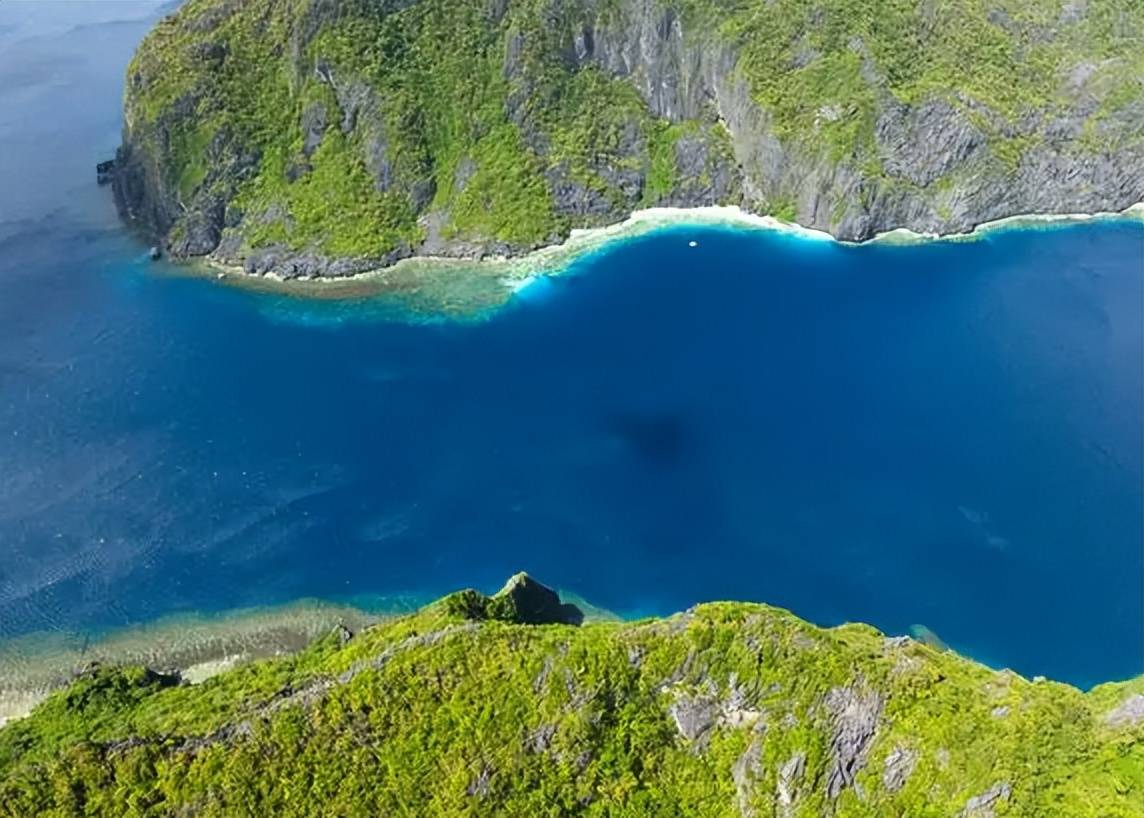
(948, 434)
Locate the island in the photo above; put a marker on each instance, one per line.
(327, 138)
(511, 704)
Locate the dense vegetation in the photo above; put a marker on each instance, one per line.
(463, 709)
(375, 129)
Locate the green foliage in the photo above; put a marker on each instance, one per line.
(434, 714)
(784, 210)
(662, 173)
(467, 604)
(456, 117)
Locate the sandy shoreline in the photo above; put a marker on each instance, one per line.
(494, 280)
(198, 646)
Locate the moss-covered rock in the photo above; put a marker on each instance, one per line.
(522, 601)
(728, 709)
(325, 137)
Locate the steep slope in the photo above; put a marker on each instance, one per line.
(463, 709)
(325, 137)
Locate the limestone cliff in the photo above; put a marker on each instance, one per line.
(325, 137)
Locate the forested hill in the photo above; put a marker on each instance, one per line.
(325, 137)
(506, 706)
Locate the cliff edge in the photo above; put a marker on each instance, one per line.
(328, 137)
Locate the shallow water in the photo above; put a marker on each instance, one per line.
(947, 434)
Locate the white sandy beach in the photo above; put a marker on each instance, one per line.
(517, 273)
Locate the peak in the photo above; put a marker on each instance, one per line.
(521, 579)
(522, 600)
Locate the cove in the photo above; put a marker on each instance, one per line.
(943, 434)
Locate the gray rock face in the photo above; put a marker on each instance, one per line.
(981, 806)
(287, 263)
(693, 716)
(925, 142)
(200, 230)
(854, 719)
(571, 197)
(786, 785)
(313, 127)
(938, 170)
(1128, 713)
(899, 767)
(684, 75)
(479, 786)
(744, 772)
(706, 173)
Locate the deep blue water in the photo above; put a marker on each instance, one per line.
(948, 434)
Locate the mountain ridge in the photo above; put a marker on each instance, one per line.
(330, 137)
(501, 705)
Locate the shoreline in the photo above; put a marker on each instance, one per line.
(199, 645)
(496, 280)
(195, 645)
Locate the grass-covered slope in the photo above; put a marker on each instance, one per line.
(473, 706)
(328, 136)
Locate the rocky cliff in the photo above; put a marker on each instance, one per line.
(503, 706)
(325, 137)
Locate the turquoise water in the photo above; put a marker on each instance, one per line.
(947, 434)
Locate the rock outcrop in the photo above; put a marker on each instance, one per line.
(522, 601)
(271, 135)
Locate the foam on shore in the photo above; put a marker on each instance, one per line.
(467, 288)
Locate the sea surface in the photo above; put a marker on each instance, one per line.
(947, 434)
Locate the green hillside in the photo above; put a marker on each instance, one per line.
(325, 137)
(504, 707)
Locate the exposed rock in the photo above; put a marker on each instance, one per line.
(313, 127)
(693, 716)
(736, 709)
(900, 765)
(1073, 11)
(288, 263)
(526, 601)
(209, 52)
(296, 169)
(1128, 713)
(200, 230)
(981, 806)
(854, 719)
(786, 785)
(925, 142)
(479, 787)
(522, 600)
(542, 677)
(541, 738)
(934, 165)
(744, 773)
(572, 197)
(105, 172)
(466, 168)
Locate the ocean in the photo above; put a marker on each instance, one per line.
(948, 434)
